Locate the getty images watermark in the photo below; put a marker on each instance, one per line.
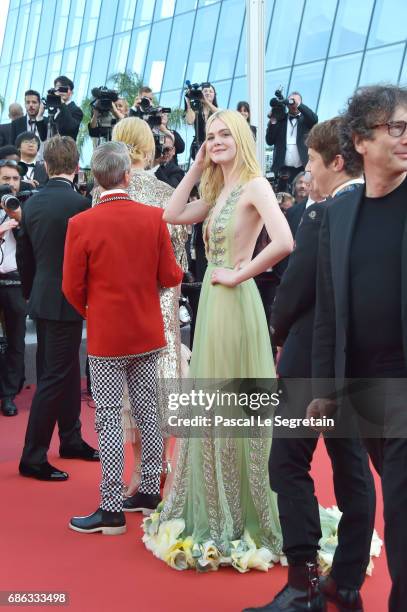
(231, 409)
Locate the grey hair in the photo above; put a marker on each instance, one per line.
(109, 163)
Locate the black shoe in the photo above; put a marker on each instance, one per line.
(141, 502)
(85, 452)
(109, 523)
(44, 471)
(346, 600)
(8, 407)
(301, 594)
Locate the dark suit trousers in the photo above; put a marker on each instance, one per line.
(384, 404)
(14, 308)
(289, 468)
(58, 394)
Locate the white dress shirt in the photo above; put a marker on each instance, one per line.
(292, 157)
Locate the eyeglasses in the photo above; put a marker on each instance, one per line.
(8, 162)
(394, 128)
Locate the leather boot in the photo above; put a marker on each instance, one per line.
(301, 593)
(346, 600)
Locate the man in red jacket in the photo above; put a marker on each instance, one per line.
(117, 256)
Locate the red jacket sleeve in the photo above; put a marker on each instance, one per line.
(75, 269)
(169, 272)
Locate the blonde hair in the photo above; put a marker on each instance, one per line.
(137, 136)
(125, 104)
(245, 164)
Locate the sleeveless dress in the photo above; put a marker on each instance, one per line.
(220, 509)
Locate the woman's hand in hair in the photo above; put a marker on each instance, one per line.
(198, 164)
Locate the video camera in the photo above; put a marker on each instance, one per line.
(279, 103)
(52, 102)
(103, 99)
(13, 201)
(194, 94)
(152, 115)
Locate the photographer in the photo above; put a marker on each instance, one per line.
(10, 153)
(143, 100)
(68, 115)
(28, 145)
(179, 143)
(287, 131)
(168, 170)
(33, 120)
(200, 103)
(106, 113)
(11, 298)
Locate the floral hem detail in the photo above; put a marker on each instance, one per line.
(164, 540)
(330, 518)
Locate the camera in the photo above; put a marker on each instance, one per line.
(103, 99)
(278, 104)
(52, 102)
(194, 94)
(13, 202)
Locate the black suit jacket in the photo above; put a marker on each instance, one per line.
(293, 216)
(69, 120)
(40, 249)
(18, 126)
(277, 135)
(292, 314)
(171, 174)
(5, 133)
(330, 339)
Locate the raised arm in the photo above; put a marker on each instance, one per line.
(179, 211)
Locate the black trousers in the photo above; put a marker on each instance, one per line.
(289, 468)
(58, 394)
(383, 406)
(13, 306)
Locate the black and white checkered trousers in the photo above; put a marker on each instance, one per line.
(107, 381)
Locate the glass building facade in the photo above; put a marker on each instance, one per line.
(321, 48)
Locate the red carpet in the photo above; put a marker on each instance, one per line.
(105, 574)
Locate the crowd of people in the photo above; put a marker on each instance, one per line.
(305, 285)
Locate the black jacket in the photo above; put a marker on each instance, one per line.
(170, 173)
(40, 174)
(68, 120)
(5, 133)
(40, 249)
(277, 135)
(293, 216)
(330, 339)
(292, 314)
(18, 126)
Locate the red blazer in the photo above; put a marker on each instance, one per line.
(117, 256)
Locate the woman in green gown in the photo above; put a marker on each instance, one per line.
(219, 509)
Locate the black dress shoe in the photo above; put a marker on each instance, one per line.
(8, 407)
(84, 451)
(44, 471)
(301, 594)
(141, 502)
(109, 523)
(346, 600)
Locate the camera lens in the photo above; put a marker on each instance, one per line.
(10, 202)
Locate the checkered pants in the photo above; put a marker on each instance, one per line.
(107, 380)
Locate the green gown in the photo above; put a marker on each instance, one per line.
(220, 508)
